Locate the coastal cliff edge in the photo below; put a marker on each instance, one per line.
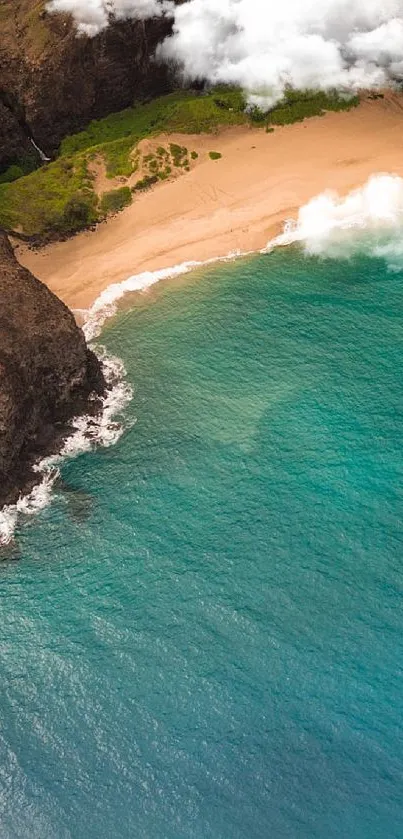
(47, 374)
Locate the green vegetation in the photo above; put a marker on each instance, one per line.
(145, 183)
(299, 105)
(182, 112)
(60, 196)
(117, 156)
(11, 174)
(57, 197)
(115, 200)
(178, 154)
(26, 164)
(157, 165)
(214, 155)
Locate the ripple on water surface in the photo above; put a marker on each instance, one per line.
(203, 634)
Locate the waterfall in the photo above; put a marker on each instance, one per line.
(42, 154)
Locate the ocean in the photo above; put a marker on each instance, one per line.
(202, 632)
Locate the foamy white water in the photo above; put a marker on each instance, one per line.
(368, 219)
(102, 430)
(105, 305)
(27, 505)
(88, 432)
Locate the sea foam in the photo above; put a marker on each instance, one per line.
(102, 430)
(106, 304)
(367, 220)
(87, 432)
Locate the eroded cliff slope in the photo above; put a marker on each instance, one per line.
(47, 373)
(53, 82)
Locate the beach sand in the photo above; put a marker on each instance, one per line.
(236, 203)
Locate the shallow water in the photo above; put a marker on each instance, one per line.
(202, 635)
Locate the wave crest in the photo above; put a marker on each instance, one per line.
(88, 432)
(106, 304)
(367, 220)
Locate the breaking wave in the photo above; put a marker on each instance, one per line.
(368, 220)
(88, 433)
(106, 304)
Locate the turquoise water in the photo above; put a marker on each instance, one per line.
(203, 634)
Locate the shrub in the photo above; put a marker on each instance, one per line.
(11, 174)
(297, 105)
(145, 183)
(229, 99)
(194, 155)
(115, 200)
(77, 213)
(57, 196)
(214, 155)
(178, 154)
(256, 115)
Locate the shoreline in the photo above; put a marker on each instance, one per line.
(236, 204)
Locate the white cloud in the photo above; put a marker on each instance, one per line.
(265, 45)
(92, 16)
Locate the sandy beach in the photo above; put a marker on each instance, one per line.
(236, 203)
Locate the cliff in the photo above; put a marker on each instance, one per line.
(47, 373)
(54, 82)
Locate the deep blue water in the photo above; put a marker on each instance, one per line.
(202, 637)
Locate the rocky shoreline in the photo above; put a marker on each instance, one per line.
(48, 375)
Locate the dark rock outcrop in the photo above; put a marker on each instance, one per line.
(47, 373)
(14, 143)
(53, 82)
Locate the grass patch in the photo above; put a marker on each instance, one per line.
(178, 154)
(57, 197)
(181, 112)
(60, 197)
(115, 200)
(117, 157)
(298, 105)
(214, 155)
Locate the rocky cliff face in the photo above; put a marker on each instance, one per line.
(47, 373)
(53, 82)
